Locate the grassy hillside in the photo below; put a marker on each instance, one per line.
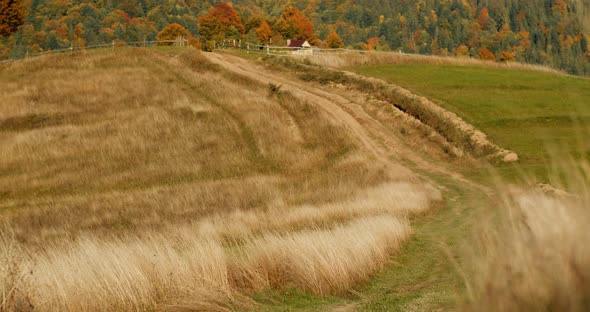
(142, 179)
(167, 179)
(528, 111)
(540, 226)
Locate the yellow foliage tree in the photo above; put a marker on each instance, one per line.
(172, 32)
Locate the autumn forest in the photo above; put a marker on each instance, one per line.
(548, 32)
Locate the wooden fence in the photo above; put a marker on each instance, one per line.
(180, 41)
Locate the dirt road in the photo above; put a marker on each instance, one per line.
(347, 109)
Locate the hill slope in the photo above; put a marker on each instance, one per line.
(142, 179)
(152, 178)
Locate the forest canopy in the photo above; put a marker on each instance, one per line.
(548, 32)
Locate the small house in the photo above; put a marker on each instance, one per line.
(298, 44)
(300, 47)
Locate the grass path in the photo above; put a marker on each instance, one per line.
(425, 276)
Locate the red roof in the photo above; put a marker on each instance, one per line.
(296, 43)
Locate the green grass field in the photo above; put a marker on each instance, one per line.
(530, 112)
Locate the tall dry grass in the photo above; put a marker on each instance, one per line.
(342, 60)
(535, 255)
(213, 264)
(142, 180)
(402, 200)
(136, 274)
(179, 269)
(322, 261)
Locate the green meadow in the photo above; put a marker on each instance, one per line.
(536, 114)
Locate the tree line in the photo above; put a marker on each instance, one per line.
(548, 32)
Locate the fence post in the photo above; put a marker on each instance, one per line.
(248, 48)
(267, 50)
(71, 49)
(113, 45)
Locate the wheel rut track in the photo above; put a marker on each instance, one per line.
(255, 154)
(370, 133)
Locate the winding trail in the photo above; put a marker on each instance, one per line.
(347, 111)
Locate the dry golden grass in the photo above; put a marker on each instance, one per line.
(400, 199)
(175, 145)
(321, 261)
(536, 256)
(341, 60)
(143, 180)
(172, 270)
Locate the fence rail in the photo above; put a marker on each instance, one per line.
(290, 51)
(179, 42)
(219, 45)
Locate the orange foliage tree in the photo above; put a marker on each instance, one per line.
(263, 33)
(484, 17)
(228, 17)
(334, 41)
(560, 8)
(221, 22)
(506, 56)
(12, 16)
(485, 54)
(372, 43)
(294, 25)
